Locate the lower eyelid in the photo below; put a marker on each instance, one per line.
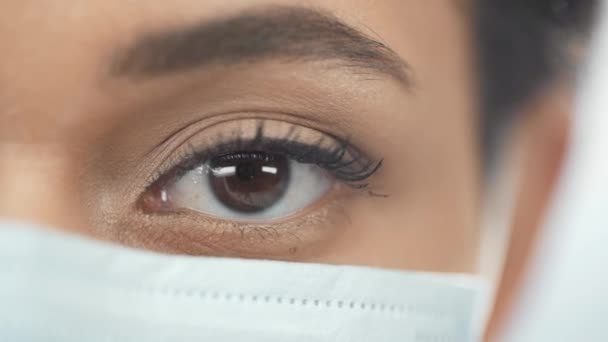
(191, 233)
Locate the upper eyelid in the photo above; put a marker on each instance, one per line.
(192, 139)
(295, 120)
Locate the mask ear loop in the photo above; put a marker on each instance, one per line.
(498, 211)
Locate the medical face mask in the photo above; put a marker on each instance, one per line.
(56, 287)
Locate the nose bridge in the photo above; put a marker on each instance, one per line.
(36, 183)
(48, 85)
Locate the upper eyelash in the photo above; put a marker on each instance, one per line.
(344, 162)
(355, 169)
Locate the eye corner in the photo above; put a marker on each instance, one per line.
(154, 200)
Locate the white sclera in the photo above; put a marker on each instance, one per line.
(307, 184)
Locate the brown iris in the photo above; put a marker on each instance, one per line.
(249, 182)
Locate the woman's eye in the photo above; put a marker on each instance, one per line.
(249, 186)
(253, 177)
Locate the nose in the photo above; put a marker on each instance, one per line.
(38, 184)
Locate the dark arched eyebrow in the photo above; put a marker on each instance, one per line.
(286, 33)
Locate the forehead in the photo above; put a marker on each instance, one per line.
(70, 43)
(100, 24)
(48, 32)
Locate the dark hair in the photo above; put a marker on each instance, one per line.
(522, 46)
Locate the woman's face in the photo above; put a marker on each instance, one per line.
(318, 131)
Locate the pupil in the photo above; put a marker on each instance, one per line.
(249, 182)
(246, 171)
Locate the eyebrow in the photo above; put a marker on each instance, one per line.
(286, 33)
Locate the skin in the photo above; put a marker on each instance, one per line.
(73, 153)
(75, 141)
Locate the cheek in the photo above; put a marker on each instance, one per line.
(413, 228)
(39, 184)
